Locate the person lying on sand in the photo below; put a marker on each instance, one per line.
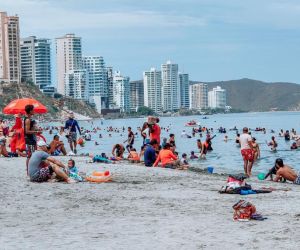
(284, 171)
(41, 166)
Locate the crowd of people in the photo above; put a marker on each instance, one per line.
(25, 139)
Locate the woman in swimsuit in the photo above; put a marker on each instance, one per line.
(256, 149)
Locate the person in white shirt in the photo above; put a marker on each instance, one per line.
(247, 151)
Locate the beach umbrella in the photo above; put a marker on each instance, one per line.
(18, 106)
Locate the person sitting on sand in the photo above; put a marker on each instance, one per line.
(150, 154)
(57, 147)
(41, 166)
(273, 171)
(294, 146)
(118, 151)
(167, 158)
(3, 150)
(193, 156)
(133, 156)
(72, 167)
(273, 144)
(286, 172)
(184, 165)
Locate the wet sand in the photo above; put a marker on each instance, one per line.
(144, 208)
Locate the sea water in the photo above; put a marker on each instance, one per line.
(225, 156)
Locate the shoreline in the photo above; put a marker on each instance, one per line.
(143, 208)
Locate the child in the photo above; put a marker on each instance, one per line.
(193, 156)
(133, 156)
(184, 165)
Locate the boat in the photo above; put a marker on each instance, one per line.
(192, 123)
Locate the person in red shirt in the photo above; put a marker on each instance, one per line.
(155, 131)
(167, 158)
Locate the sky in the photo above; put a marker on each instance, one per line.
(212, 40)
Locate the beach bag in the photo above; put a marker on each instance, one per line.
(243, 210)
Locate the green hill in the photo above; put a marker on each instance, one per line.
(252, 95)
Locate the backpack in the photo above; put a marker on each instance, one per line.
(243, 210)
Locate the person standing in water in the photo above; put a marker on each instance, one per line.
(247, 151)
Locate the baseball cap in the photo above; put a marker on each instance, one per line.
(41, 143)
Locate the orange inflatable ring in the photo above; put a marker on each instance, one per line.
(98, 177)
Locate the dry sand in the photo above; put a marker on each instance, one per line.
(144, 208)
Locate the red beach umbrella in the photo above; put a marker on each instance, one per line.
(18, 106)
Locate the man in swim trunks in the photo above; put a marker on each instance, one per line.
(41, 165)
(57, 147)
(247, 151)
(286, 172)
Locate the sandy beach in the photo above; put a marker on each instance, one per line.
(143, 208)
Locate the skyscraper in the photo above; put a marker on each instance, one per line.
(68, 58)
(110, 82)
(121, 92)
(217, 98)
(198, 96)
(170, 87)
(152, 90)
(98, 83)
(136, 95)
(184, 91)
(76, 84)
(36, 61)
(9, 48)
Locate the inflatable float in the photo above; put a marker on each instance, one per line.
(97, 177)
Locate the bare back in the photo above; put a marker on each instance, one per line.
(287, 173)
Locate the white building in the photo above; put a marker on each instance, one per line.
(76, 84)
(10, 70)
(170, 87)
(36, 61)
(152, 90)
(121, 92)
(184, 91)
(98, 83)
(217, 98)
(198, 96)
(68, 58)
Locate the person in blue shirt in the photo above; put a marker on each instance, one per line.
(71, 125)
(150, 154)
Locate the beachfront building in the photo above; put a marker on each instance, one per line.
(152, 90)
(36, 61)
(184, 83)
(110, 83)
(217, 98)
(76, 84)
(170, 87)
(98, 84)
(198, 96)
(121, 92)
(68, 59)
(9, 49)
(136, 95)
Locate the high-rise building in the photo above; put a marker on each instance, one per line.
(68, 58)
(170, 87)
(9, 48)
(152, 90)
(198, 96)
(76, 84)
(98, 84)
(184, 91)
(110, 83)
(121, 92)
(136, 95)
(36, 61)
(217, 98)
